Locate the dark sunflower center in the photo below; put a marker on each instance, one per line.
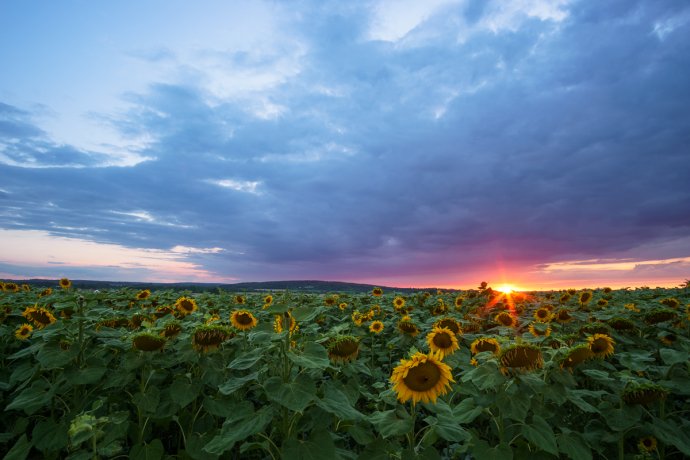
(521, 357)
(244, 319)
(41, 317)
(452, 325)
(505, 319)
(422, 377)
(409, 328)
(599, 345)
(186, 305)
(443, 340)
(542, 313)
(345, 348)
(485, 345)
(647, 442)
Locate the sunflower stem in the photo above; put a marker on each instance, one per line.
(411, 435)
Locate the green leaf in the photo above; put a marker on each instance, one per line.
(574, 396)
(239, 429)
(466, 411)
(362, 436)
(672, 357)
(514, 407)
(485, 376)
(635, 360)
(54, 357)
(183, 392)
(49, 436)
(87, 376)
(295, 395)
(247, 360)
(600, 376)
(375, 451)
(317, 447)
(540, 434)
(574, 446)
(483, 451)
(671, 433)
(305, 313)
(148, 402)
(235, 383)
(20, 450)
(622, 419)
(337, 403)
(389, 424)
(229, 409)
(31, 399)
(151, 451)
(447, 428)
(314, 356)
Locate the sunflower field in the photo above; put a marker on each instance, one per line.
(474, 374)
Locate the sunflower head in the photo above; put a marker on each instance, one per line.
(171, 330)
(24, 331)
(268, 300)
(342, 306)
(285, 321)
(647, 444)
(243, 320)
(621, 324)
(543, 315)
(602, 302)
(143, 294)
(40, 317)
(596, 328)
(449, 323)
(564, 298)
(576, 355)
(643, 394)
(10, 287)
(668, 338)
(376, 327)
(185, 306)
(521, 357)
(209, 338)
(46, 292)
(406, 326)
(398, 303)
(601, 345)
(505, 319)
(344, 348)
(670, 303)
(485, 344)
(162, 311)
(660, 315)
(458, 302)
(329, 301)
(377, 292)
(442, 341)
(240, 299)
(585, 297)
(147, 341)
(540, 329)
(423, 377)
(65, 283)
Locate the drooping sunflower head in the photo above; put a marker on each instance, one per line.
(243, 320)
(423, 377)
(344, 348)
(240, 299)
(543, 315)
(406, 326)
(505, 319)
(162, 311)
(143, 294)
(442, 341)
(643, 394)
(377, 292)
(10, 287)
(602, 302)
(576, 355)
(621, 324)
(539, 329)
(449, 323)
(565, 297)
(601, 345)
(670, 303)
(209, 338)
(595, 328)
(485, 344)
(146, 341)
(65, 283)
(24, 331)
(585, 297)
(376, 327)
(660, 315)
(185, 306)
(171, 330)
(668, 338)
(647, 444)
(523, 357)
(46, 292)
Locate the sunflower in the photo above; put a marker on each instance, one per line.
(670, 303)
(643, 394)
(562, 316)
(279, 323)
(143, 294)
(585, 297)
(357, 318)
(209, 338)
(423, 377)
(602, 302)
(10, 287)
(668, 338)
(621, 324)
(485, 344)
(26, 288)
(162, 311)
(146, 341)
(398, 303)
(442, 341)
(576, 355)
(171, 330)
(376, 327)
(564, 298)
(458, 302)
(212, 319)
(543, 315)
(631, 307)
(24, 331)
(65, 283)
(660, 315)
(243, 320)
(377, 292)
(39, 316)
(505, 319)
(540, 330)
(521, 357)
(342, 306)
(46, 292)
(375, 310)
(647, 444)
(268, 300)
(449, 323)
(240, 299)
(343, 349)
(185, 305)
(406, 326)
(329, 301)
(601, 345)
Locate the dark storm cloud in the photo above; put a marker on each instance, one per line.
(524, 144)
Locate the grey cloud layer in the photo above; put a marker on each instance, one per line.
(544, 142)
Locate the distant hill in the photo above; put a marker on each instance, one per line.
(259, 286)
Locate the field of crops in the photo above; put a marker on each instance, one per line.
(475, 374)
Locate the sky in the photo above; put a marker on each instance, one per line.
(544, 144)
